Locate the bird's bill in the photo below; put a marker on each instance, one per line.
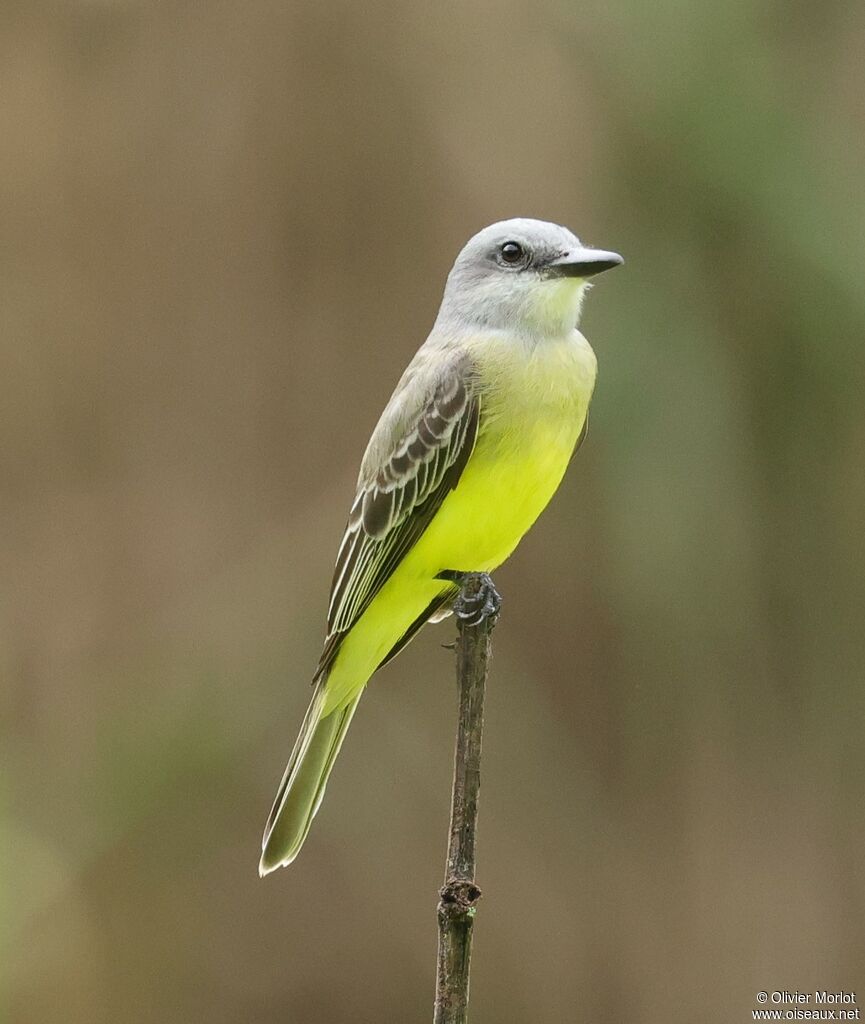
(584, 263)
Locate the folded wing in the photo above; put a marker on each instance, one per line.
(400, 491)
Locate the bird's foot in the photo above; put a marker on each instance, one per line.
(478, 600)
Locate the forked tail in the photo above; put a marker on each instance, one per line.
(302, 788)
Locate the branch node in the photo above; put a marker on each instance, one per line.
(461, 893)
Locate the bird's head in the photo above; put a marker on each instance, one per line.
(522, 274)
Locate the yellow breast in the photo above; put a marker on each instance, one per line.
(533, 407)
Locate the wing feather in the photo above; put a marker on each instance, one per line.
(398, 496)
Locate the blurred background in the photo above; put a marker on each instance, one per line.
(224, 229)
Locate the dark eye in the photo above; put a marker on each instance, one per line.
(512, 252)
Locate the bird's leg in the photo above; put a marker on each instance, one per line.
(478, 598)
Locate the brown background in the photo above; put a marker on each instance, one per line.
(224, 229)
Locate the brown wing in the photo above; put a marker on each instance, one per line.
(400, 497)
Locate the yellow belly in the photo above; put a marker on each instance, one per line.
(499, 496)
(530, 424)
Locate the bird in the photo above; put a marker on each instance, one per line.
(470, 448)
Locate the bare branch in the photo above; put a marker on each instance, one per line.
(476, 611)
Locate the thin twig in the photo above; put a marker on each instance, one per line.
(476, 612)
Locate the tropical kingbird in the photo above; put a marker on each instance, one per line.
(468, 451)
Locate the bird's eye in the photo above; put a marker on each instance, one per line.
(512, 252)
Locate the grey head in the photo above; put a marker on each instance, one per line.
(524, 275)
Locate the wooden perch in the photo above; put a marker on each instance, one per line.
(476, 611)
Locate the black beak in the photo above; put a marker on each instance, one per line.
(584, 263)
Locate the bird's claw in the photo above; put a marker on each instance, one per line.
(478, 600)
